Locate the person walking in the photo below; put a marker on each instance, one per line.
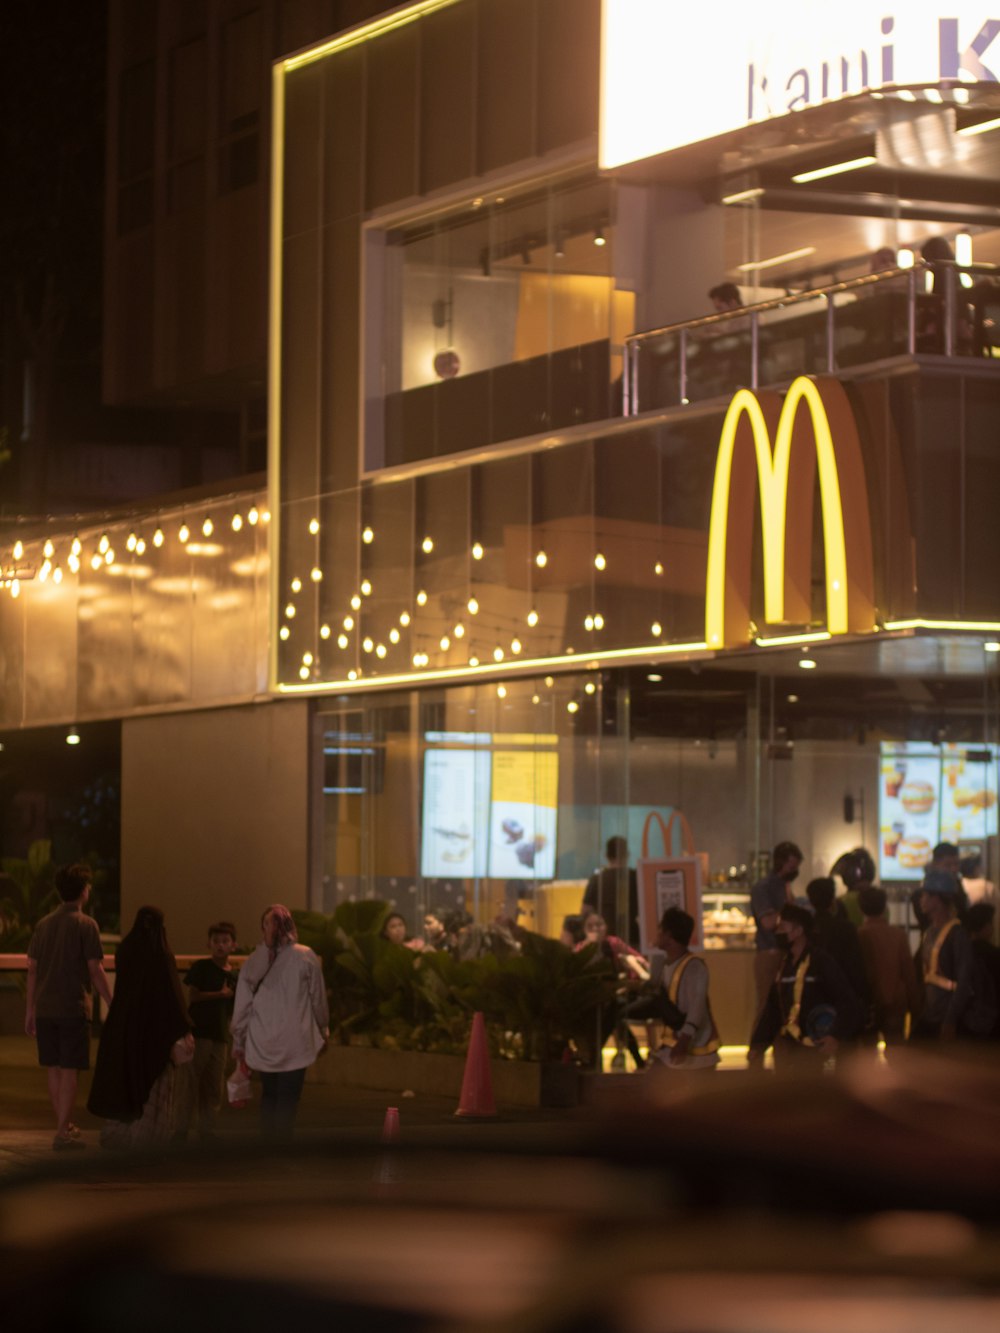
(65, 964)
(892, 978)
(281, 1019)
(146, 1034)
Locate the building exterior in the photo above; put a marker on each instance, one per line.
(535, 576)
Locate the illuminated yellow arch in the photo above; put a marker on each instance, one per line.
(786, 480)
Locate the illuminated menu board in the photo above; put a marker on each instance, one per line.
(489, 806)
(930, 794)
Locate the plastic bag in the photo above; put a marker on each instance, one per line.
(238, 1088)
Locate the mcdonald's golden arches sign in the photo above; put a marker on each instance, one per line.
(812, 429)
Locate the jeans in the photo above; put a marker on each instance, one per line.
(279, 1102)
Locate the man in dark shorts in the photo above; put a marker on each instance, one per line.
(64, 964)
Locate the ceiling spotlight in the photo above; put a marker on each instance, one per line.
(72, 736)
(599, 237)
(807, 664)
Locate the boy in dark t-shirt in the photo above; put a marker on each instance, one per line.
(211, 982)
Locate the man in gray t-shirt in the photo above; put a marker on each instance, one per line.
(65, 960)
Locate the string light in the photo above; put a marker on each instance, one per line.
(130, 542)
(473, 606)
(600, 562)
(421, 601)
(368, 536)
(102, 545)
(237, 522)
(532, 618)
(296, 585)
(48, 550)
(477, 551)
(342, 640)
(366, 588)
(316, 574)
(355, 603)
(427, 545)
(324, 631)
(284, 632)
(158, 537)
(184, 533)
(290, 611)
(541, 559)
(253, 515)
(208, 527)
(313, 526)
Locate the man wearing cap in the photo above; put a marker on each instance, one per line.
(945, 959)
(810, 1008)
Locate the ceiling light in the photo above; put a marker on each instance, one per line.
(158, 537)
(807, 664)
(657, 629)
(184, 532)
(754, 266)
(208, 527)
(427, 545)
(541, 559)
(313, 526)
(532, 618)
(72, 736)
(599, 237)
(237, 522)
(296, 585)
(501, 691)
(473, 606)
(599, 561)
(253, 515)
(654, 677)
(477, 551)
(743, 196)
(316, 574)
(835, 169)
(368, 536)
(324, 631)
(991, 647)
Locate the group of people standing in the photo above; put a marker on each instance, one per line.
(162, 1057)
(833, 971)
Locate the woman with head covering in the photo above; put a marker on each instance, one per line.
(145, 1034)
(281, 1019)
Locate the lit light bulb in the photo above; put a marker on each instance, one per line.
(541, 559)
(421, 598)
(501, 691)
(296, 585)
(342, 641)
(590, 687)
(355, 603)
(394, 635)
(599, 561)
(284, 632)
(588, 623)
(303, 673)
(657, 629)
(130, 542)
(549, 682)
(536, 699)
(477, 551)
(316, 574)
(368, 536)
(307, 659)
(498, 654)
(77, 546)
(404, 618)
(657, 568)
(473, 660)
(473, 606)
(380, 650)
(598, 621)
(237, 522)
(290, 611)
(368, 645)
(427, 545)
(253, 514)
(366, 588)
(74, 563)
(515, 646)
(140, 547)
(158, 537)
(15, 587)
(48, 550)
(572, 706)
(324, 631)
(445, 643)
(102, 546)
(109, 556)
(459, 631)
(183, 533)
(532, 618)
(313, 526)
(352, 674)
(57, 575)
(348, 623)
(96, 561)
(207, 528)
(43, 573)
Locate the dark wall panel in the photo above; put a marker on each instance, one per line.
(303, 172)
(300, 367)
(569, 58)
(343, 134)
(340, 366)
(448, 97)
(391, 147)
(507, 72)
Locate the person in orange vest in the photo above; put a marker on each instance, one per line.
(690, 1037)
(811, 1008)
(945, 958)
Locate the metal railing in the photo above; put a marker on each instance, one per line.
(941, 304)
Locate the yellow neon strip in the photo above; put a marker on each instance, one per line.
(982, 128)
(365, 32)
(837, 169)
(274, 355)
(779, 640)
(493, 670)
(772, 478)
(970, 626)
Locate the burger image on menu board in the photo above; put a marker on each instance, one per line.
(913, 853)
(917, 796)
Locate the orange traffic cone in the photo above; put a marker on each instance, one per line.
(477, 1085)
(390, 1126)
(387, 1167)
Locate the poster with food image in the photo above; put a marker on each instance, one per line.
(909, 810)
(523, 805)
(968, 792)
(456, 813)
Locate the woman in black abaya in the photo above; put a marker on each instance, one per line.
(146, 1034)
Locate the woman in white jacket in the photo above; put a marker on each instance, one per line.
(281, 1019)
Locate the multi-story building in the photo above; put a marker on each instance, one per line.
(537, 577)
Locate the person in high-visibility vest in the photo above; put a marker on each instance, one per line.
(945, 958)
(690, 1037)
(811, 1007)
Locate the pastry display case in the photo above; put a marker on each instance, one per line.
(727, 921)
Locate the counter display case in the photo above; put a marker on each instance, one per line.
(727, 919)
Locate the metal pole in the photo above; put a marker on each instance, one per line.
(684, 366)
(829, 334)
